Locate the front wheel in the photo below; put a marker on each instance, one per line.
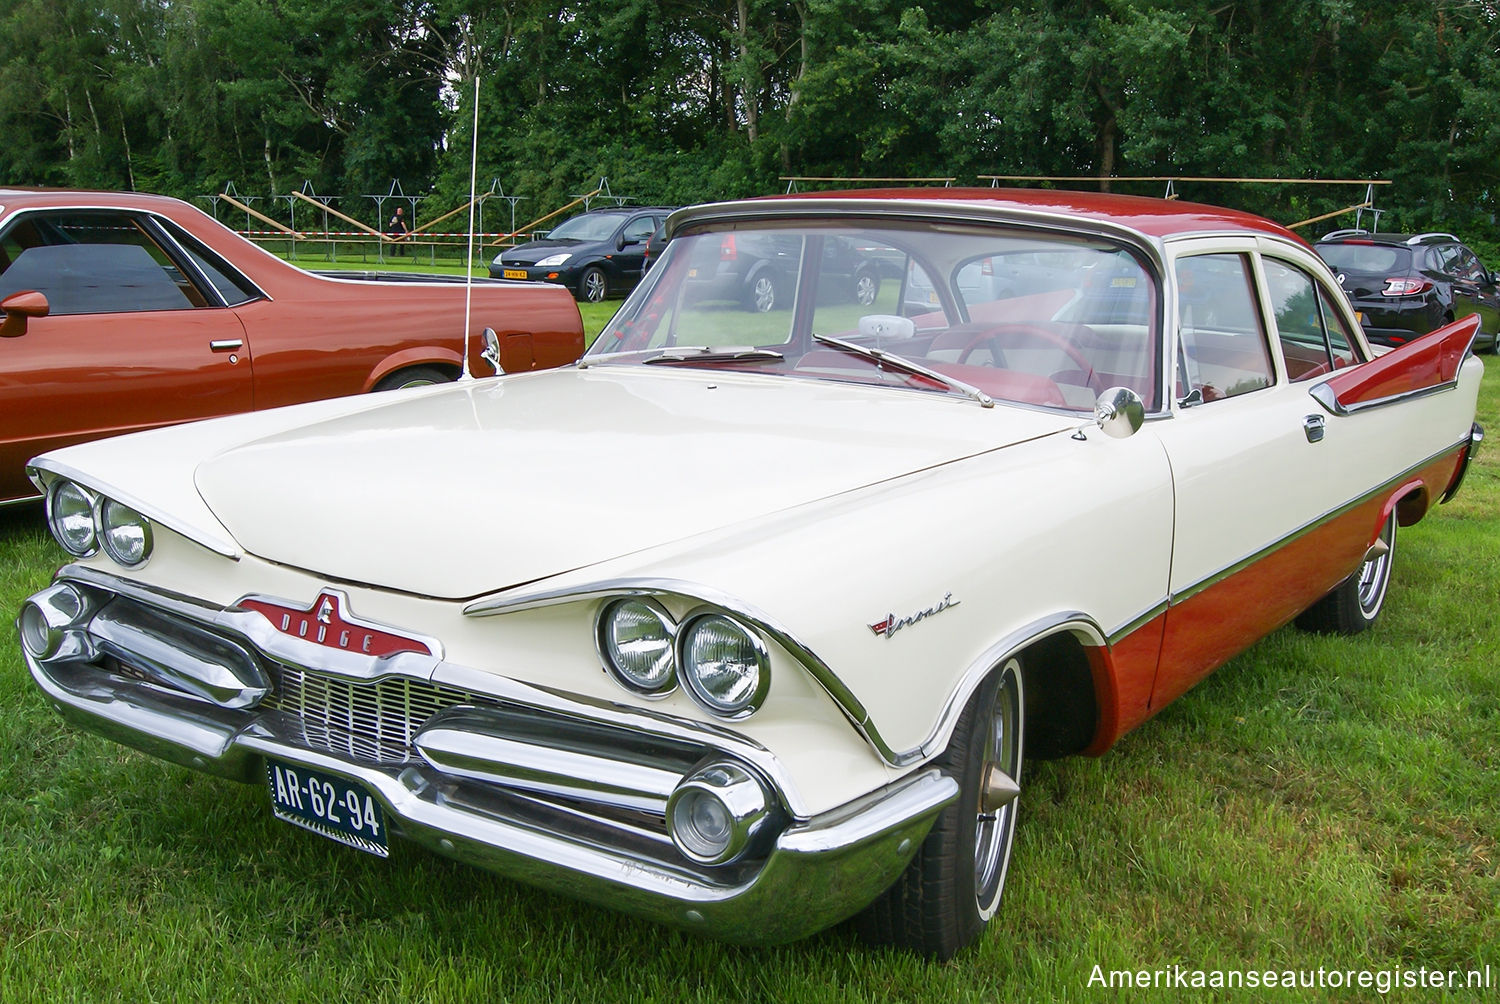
(593, 285)
(952, 888)
(1355, 603)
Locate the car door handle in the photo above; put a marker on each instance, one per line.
(227, 344)
(1312, 425)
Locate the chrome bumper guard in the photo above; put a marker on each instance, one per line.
(489, 786)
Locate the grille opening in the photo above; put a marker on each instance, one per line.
(361, 720)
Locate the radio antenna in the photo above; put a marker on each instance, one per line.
(464, 374)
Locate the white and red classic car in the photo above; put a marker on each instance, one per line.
(748, 622)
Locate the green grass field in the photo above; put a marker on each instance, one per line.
(1318, 802)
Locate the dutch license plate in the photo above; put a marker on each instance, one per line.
(514, 273)
(328, 805)
(1359, 316)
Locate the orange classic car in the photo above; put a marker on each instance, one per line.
(127, 311)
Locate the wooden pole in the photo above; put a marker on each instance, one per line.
(543, 219)
(347, 219)
(1329, 216)
(236, 203)
(466, 205)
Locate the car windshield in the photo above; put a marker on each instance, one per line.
(588, 227)
(1020, 316)
(1365, 257)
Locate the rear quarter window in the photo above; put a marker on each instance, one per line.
(1365, 257)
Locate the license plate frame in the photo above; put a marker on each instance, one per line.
(327, 804)
(514, 273)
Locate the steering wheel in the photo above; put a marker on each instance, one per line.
(1036, 333)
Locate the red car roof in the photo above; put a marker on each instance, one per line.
(1153, 217)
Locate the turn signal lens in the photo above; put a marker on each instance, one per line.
(719, 813)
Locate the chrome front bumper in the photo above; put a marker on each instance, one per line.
(814, 873)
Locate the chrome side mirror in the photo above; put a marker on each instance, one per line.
(1119, 411)
(491, 353)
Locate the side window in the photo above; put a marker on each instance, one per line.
(90, 262)
(1314, 340)
(1467, 266)
(1222, 349)
(231, 285)
(638, 230)
(1341, 344)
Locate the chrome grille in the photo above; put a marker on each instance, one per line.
(361, 720)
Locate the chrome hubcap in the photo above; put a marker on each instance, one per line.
(1000, 774)
(1375, 573)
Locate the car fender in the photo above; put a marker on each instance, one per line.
(421, 355)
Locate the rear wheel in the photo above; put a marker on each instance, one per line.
(866, 287)
(952, 888)
(1356, 602)
(764, 294)
(415, 376)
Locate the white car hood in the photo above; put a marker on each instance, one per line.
(462, 490)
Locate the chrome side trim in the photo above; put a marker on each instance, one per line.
(1073, 622)
(1140, 620)
(40, 469)
(1214, 578)
(1476, 436)
(1323, 394)
(20, 501)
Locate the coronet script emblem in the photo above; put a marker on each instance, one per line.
(328, 622)
(892, 623)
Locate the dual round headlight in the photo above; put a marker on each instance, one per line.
(83, 523)
(723, 664)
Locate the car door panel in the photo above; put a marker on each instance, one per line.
(76, 377)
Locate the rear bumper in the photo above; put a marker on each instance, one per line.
(814, 873)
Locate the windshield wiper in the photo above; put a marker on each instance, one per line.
(706, 354)
(884, 358)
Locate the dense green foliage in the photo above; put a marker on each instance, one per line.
(676, 101)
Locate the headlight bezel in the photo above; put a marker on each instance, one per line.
(63, 491)
(554, 260)
(89, 500)
(692, 678)
(603, 622)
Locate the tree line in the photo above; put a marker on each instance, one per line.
(677, 101)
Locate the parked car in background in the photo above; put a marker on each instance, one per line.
(1405, 285)
(850, 573)
(758, 271)
(597, 254)
(654, 246)
(132, 311)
